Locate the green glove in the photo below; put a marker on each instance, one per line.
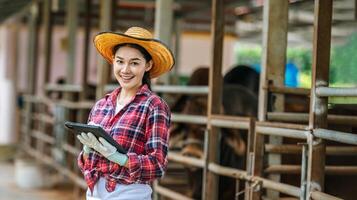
(103, 147)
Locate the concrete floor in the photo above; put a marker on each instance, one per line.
(9, 189)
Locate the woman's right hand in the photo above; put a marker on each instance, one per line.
(87, 143)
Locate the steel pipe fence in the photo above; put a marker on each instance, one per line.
(304, 118)
(37, 140)
(219, 121)
(227, 122)
(336, 92)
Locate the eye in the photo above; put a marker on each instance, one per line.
(135, 63)
(119, 61)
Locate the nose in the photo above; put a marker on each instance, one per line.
(125, 68)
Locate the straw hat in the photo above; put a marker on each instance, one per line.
(162, 57)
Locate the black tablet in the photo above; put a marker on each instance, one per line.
(97, 131)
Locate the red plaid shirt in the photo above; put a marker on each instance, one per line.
(142, 128)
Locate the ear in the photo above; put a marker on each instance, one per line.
(149, 65)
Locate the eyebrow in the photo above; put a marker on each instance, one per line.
(130, 59)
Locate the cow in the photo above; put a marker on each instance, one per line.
(238, 100)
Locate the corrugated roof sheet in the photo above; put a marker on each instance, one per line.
(10, 7)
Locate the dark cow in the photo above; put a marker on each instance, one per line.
(237, 100)
(243, 75)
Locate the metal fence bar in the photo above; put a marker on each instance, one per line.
(284, 132)
(43, 117)
(304, 117)
(63, 87)
(49, 161)
(336, 92)
(42, 136)
(296, 169)
(240, 174)
(230, 122)
(176, 157)
(295, 149)
(170, 89)
(71, 149)
(337, 136)
(303, 183)
(316, 195)
(169, 193)
(192, 119)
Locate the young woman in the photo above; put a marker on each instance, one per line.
(133, 115)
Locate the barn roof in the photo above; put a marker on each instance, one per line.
(243, 17)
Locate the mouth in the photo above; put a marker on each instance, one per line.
(126, 77)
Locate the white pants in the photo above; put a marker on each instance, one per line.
(121, 192)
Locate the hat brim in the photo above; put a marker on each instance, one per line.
(163, 59)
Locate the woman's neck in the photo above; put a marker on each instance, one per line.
(126, 95)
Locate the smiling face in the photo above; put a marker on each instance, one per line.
(129, 67)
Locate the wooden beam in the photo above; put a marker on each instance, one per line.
(275, 25)
(48, 27)
(72, 25)
(32, 48)
(318, 105)
(105, 24)
(164, 27)
(210, 181)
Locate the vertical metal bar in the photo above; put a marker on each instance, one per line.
(250, 151)
(25, 129)
(275, 25)
(206, 162)
(304, 157)
(214, 100)
(237, 191)
(258, 161)
(178, 33)
(15, 52)
(48, 27)
(105, 24)
(32, 48)
(164, 26)
(355, 9)
(87, 30)
(320, 78)
(72, 24)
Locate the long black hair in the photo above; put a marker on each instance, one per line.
(146, 78)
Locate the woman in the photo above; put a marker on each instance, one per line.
(133, 115)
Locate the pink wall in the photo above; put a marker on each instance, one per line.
(195, 51)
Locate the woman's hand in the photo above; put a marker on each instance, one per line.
(103, 147)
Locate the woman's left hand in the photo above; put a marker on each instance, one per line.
(101, 146)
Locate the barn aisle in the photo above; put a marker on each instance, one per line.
(9, 190)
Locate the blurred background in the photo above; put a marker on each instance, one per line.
(50, 71)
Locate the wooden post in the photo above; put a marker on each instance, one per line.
(178, 33)
(355, 9)
(164, 26)
(105, 24)
(318, 105)
(214, 101)
(250, 155)
(48, 27)
(87, 30)
(72, 25)
(32, 48)
(275, 25)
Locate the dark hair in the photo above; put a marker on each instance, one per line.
(146, 79)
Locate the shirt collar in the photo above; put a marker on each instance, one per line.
(143, 90)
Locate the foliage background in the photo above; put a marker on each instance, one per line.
(343, 62)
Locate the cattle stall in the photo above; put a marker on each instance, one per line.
(42, 130)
